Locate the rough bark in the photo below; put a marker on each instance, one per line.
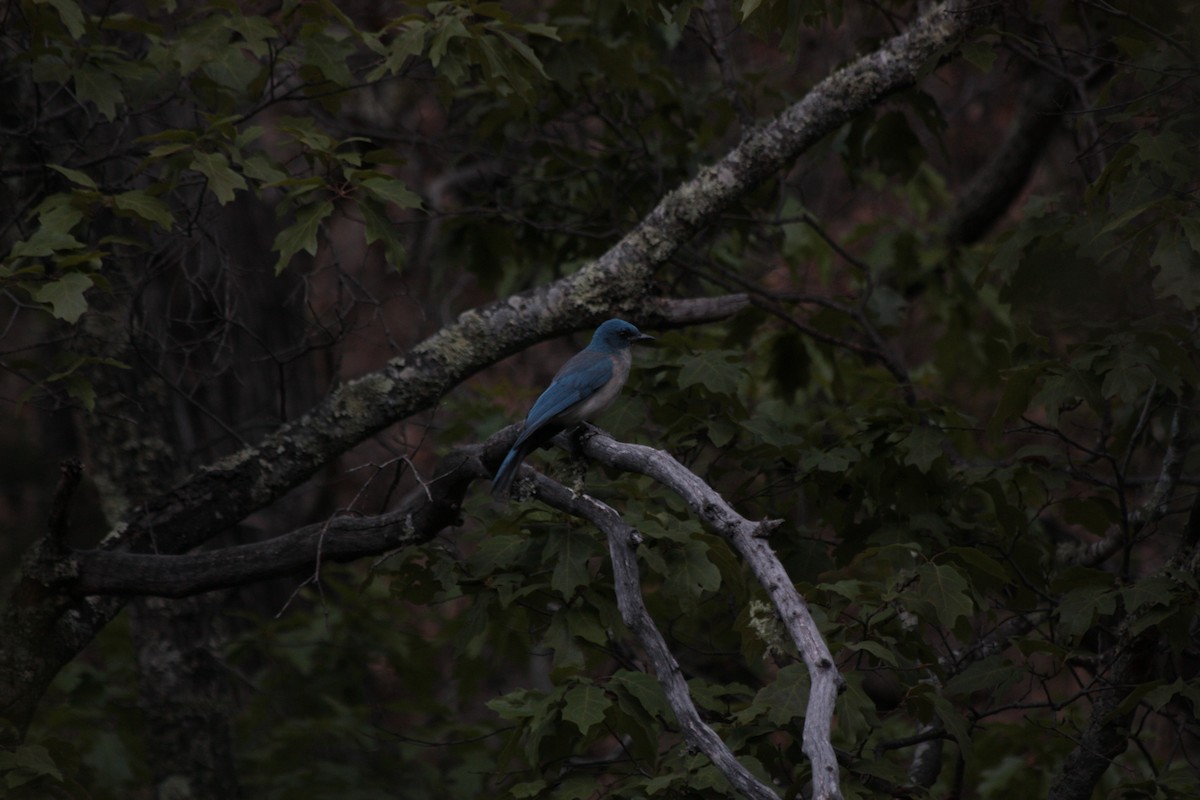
(185, 697)
(1107, 733)
(999, 183)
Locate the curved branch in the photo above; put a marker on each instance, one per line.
(998, 184)
(429, 509)
(622, 542)
(421, 515)
(749, 540)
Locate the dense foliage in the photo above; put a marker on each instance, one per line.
(979, 437)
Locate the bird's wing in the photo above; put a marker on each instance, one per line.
(582, 376)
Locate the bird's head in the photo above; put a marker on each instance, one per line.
(617, 334)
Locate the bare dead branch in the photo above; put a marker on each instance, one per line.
(622, 543)
(749, 539)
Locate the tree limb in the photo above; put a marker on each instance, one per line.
(622, 544)
(429, 509)
(995, 187)
(749, 539)
(421, 515)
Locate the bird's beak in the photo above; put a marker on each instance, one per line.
(643, 337)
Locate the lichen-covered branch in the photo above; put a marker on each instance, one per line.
(617, 282)
(41, 628)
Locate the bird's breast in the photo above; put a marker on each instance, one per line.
(603, 397)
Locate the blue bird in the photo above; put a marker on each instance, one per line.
(586, 385)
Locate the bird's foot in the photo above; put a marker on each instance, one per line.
(578, 475)
(587, 430)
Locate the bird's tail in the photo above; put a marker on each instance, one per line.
(502, 481)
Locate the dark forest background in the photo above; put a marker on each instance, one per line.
(277, 276)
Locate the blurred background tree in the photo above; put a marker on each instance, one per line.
(265, 265)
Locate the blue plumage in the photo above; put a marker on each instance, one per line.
(586, 385)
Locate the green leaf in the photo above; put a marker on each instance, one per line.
(497, 552)
(28, 762)
(524, 51)
(44, 242)
(409, 43)
(229, 68)
(954, 723)
(585, 705)
(979, 55)
(259, 168)
(447, 28)
(57, 216)
(74, 175)
(223, 181)
(380, 228)
(785, 698)
(994, 675)
(495, 69)
(100, 87)
(330, 56)
(922, 447)
(561, 640)
(1159, 693)
(1018, 390)
(527, 789)
(1149, 591)
(894, 146)
(1096, 514)
(980, 563)
(749, 7)
(1077, 610)
(1128, 368)
(81, 389)
(642, 689)
(392, 190)
(65, 296)
(712, 369)
(1178, 269)
(690, 572)
(944, 586)
(301, 234)
(720, 431)
(146, 206)
(516, 705)
(570, 552)
(71, 15)
(885, 654)
(835, 459)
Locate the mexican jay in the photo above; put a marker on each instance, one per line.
(586, 385)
